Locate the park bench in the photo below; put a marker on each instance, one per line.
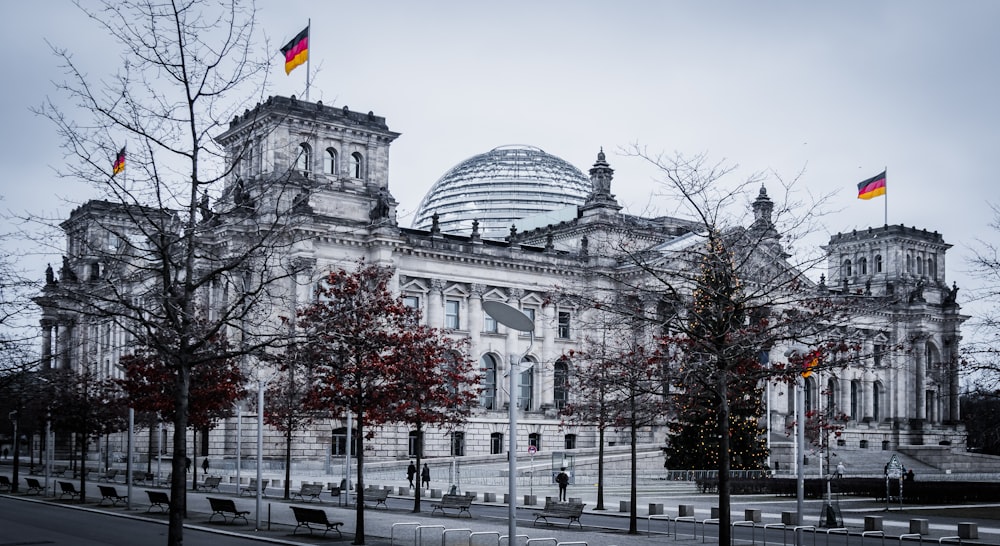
(454, 502)
(142, 478)
(67, 488)
(251, 488)
(5, 484)
(36, 470)
(378, 496)
(164, 482)
(336, 491)
(109, 476)
(567, 510)
(33, 486)
(109, 493)
(307, 517)
(59, 471)
(158, 499)
(308, 492)
(224, 507)
(210, 483)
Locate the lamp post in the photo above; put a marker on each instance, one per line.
(515, 319)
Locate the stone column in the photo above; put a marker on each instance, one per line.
(64, 338)
(47, 325)
(953, 387)
(920, 375)
(545, 375)
(435, 304)
(868, 388)
(476, 320)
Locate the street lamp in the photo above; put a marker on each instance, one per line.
(515, 319)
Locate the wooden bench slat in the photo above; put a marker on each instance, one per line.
(221, 507)
(306, 517)
(566, 510)
(455, 502)
(158, 499)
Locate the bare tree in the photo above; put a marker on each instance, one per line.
(982, 356)
(180, 249)
(722, 292)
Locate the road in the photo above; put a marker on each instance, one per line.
(30, 523)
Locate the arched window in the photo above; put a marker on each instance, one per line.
(808, 393)
(863, 266)
(357, 162)
(878, 263)
(560, 389)
(496, 443)
(488, 367)
(920, 265)
(876, 395)
(831, 396)
(855, 399)
(330, 162)
(931, 267)
(304, 162)
(909, 264)
(847, 268)
(526, 389)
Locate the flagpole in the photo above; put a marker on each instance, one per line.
(886, 203)
(308, 56)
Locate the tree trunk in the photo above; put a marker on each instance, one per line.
(359, 514)
(178, 483)
(288, 458)
(633, 496)
(600, 468)
(417, 478)
(725, 531)
(83, 466)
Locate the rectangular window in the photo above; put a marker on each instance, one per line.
(458, 443)
(877, 355)
(413, 302)
(564, 318)
(530, 312)
(451, 316)
(489, 324)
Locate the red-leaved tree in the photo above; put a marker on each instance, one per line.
(370, 357)
(150, 386)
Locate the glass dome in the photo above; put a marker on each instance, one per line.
(499, 187)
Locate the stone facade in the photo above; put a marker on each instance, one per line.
(339, 161)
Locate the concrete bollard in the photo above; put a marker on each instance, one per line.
(576, 500)
(968, 529)
(550, 499)
(919, 526)
(873, 523)
(624, 506)
(655, 509)
(715, 512)
(530, 500)
(472, 494)
(506, 498)
(789, 518)
(685, 511)
(489, 497)
(752, 514)
(275, 483)
(435, 493)
(403, 491)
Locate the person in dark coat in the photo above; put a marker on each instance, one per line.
(411, 472)
(204, 465)
(563, 480)
(425, 476)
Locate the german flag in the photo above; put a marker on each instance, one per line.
(296, 51)
(119, 163)
(873, 187)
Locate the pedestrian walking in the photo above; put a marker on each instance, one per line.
(425, 476)
(411, 472)
(563, 480)
(204, 465)
(840, 469)
(187, 464)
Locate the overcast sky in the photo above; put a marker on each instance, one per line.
(842, 90)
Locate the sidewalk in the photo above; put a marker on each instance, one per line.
(277, 521)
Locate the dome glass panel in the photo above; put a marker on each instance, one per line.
(498, 188)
